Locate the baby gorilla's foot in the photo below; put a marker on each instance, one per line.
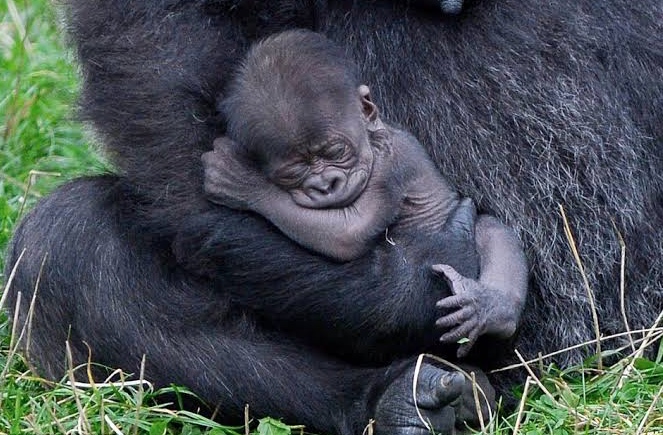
(465, 310)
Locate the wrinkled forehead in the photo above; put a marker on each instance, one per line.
(308, 125)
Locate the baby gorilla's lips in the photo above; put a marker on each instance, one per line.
(354, 187)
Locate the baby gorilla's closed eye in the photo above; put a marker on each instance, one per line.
(336, 152)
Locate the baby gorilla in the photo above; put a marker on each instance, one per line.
(307, 150)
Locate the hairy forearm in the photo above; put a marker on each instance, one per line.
(263, 271)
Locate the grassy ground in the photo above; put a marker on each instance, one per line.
(41, 146)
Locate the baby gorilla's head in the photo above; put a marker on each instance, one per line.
(298, 112)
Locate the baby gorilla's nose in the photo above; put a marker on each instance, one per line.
(330, 188)
(325, 183)
(327, 189)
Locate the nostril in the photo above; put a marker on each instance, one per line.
(319, 188)
(334, 184)
(326, 184)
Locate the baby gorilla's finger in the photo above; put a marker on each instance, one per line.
(448, 271)
(465, 348)
(456, 318)
(451, 302)
(456, 280)
(461, 331)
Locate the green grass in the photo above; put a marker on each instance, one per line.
(41, 146)
(37, 89)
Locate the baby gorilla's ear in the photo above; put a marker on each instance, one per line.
(369, 108)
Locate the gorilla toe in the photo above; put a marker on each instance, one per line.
(438, 391)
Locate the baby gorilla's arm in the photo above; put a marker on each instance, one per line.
(342, 234)
(339, 233)
(493, 303)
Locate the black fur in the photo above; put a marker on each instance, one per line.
(524, 104)
(292, 334)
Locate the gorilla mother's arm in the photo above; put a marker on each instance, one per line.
(389, 291)
(134, 311)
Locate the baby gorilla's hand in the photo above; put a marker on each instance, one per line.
(466, 312)
(228, 180)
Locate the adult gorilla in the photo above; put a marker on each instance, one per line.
(524, 104)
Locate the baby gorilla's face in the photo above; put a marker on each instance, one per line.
(330, 171)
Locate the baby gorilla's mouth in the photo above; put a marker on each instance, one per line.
(354, 187)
